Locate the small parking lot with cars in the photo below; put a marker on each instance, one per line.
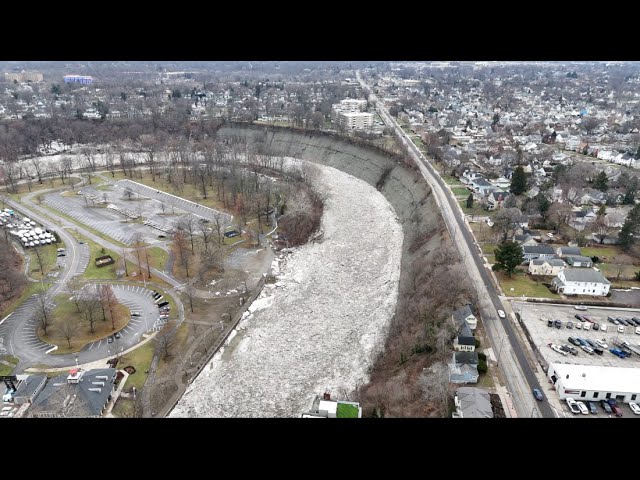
(542, 322)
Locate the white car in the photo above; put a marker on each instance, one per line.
(501, 314)
(634, 408)
(583, 408)
(573, 406)
(578, 325)
(637, 330)
(601, 343)
(620, 329)
(550, 235)
(559, 350)
(587, 349)
(586, 326)
(579, 307)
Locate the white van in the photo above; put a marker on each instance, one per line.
(604, 327)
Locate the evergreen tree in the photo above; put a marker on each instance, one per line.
(630, 229)
(508, 257)
(602, 182)
(519, 181)
(470, 201)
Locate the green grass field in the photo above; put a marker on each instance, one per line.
(140, 358)
(523, 284)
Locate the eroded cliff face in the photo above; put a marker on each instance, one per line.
(403, 187)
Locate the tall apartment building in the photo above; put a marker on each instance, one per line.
(355, 120)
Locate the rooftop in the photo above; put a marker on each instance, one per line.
(598, 378)
(583, 275)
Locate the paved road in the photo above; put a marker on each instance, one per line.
(518, 372)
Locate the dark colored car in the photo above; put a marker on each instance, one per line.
(549, 323)
(136, 314)
(574, 342)
(538, 394)
(117, 335)
(569, 325)
(592, 407)
(596, 326)
(606, 407)
(579, 317)
(572, 351)
(232, 233)
(557, 323)
(617, 411)
(591, 344)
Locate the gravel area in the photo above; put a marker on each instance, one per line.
(320, 325)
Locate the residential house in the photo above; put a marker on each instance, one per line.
(324, 407)
(581, 281)
(464, 368)
(535, 234)
(472, 402)
(606, 240)
(462, 315)
(579, 261)
(525, 239)
(541, 252)
(615, 219)
(566, 251)
(496, 199)
(79, 394)
(580, 219)
(502, 183)
(29, 388)
(481, 187)
(592, 197)
(551, 266)
(464, 341)
(469, 176)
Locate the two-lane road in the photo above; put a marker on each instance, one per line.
(517, 371)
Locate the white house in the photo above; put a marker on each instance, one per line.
(551, 266)
(542, 252)
(472, 402)
(463, 315)
(581, 281)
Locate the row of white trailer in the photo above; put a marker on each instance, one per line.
(25, 230)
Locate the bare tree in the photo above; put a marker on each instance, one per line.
(189, 292)
(164, 343)
(74, 287)
(559, 214)
(108, 301)
(436, 388)
(207, 233)
(89, 308)
(40, 259)
(507, 221)
(68, 328)
(38, 168)
(41, 312)
(188, 223)
(180, 247)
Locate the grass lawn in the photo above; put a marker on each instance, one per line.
(491, 259)
(157, 258)
(449, 180)
(66, 311)
(30, 289)
(523, 284)
(178, 343)
(485, 380)
(608, 251)
(35, 186)
(140, 358)
(108, 272)
(7, 369)
(346, 410)
(123, 407)
(488, 248)
(610, 270)
(475, 210)
(48, 256)
(460, 191)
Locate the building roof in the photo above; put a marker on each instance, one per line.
(540, 249)
(569, 251)
(583, 275)
(28, 386)
(466, 358)
(578, 258)
(86, 398)
(598, 378)
(466, 340)
(554, 262)
(474, 402)
(462, 314)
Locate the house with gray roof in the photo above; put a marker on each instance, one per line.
(525, 239)
(462, 315)
(565, 251)
(79, 394)
(579, 261)
(550, 266)
(464, 341)
(29, 388)
(581, 281)
(472, 402)
(541, 252)
(464, 368)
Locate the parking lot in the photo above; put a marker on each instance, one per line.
(535, 317)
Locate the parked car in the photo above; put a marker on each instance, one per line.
(501, 314)
(117, 335)
(578, 325)
(595, 325)
(606, 407)
(136, 314)
(557, 323)
(601, 343)
(634, 408)
(573, 405)
(587, 349)
(572, 351)
(611, 319)
(549, 323)
(538, 394)
(604, 327)
(579, 317)
(586, 326)
(637, 330)
(110, 339)
(620, 329)
(617, 411)
(592, 407)
(574, 341)
(583, 408)
(617, 352)
(570, 325)
(558, 349)
(591, 343)
(580, 307)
